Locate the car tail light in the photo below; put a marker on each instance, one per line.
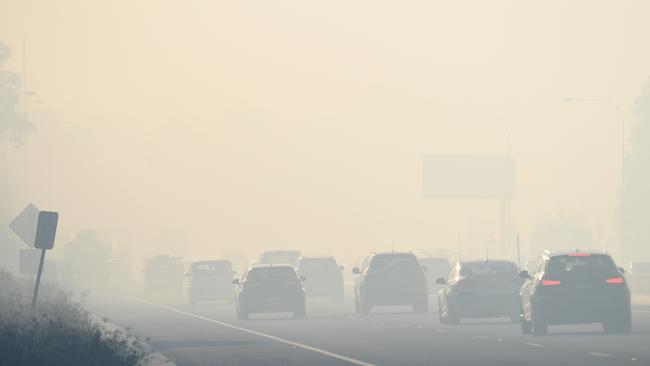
(579, 254)
(616, 280)
(550, 282)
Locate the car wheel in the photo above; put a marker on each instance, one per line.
(441, 319)
(526, 326)
(620, 325)
(452, 317)
(538, 325)
(241, 314)
(361, 307)
(422, 307)
(300, 313)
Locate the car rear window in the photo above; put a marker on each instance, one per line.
(583, 263)
(212, 268)
(280, 257)
(393, 264)
(271, 274)
(492, 269)
(318, 263)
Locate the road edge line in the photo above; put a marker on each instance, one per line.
(260, 334)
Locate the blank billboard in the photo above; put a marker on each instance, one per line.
(467, 176)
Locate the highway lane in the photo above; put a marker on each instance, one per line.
(209, 334)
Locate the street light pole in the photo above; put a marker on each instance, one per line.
(622, 121)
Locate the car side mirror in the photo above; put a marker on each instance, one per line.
(187, 274)
(341, 268)
(524, 274)
(356, 270)
(235, 281)
(441, 281)
(621, 270)
(303, 278)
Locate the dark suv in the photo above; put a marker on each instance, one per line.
(480, 289)
(210, 280)
(575, 288)
(268, 288)
(388, 279)
(325, 277)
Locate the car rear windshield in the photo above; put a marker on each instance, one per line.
(280, 257)
(271, 274)
(318, 263)
(211, 268)
(487, 268)
(394, 264)
(583, 263)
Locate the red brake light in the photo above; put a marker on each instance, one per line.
(616, 280)
(550, 283)
(579, 254)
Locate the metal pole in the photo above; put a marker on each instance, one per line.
(518, 253)
(38, 277)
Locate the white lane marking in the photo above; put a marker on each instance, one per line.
(534, 344)
(264, 335)
(482, 337)
(598, 354)
(440, 330)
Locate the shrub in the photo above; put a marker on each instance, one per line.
(58, 331)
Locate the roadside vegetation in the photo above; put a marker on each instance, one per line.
(59, 331)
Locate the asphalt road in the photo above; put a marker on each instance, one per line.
(209, 334)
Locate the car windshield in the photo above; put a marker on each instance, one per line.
(586, 263)
(393, 264)
(487, 268)
(271, 274)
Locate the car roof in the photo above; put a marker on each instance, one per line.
(392, 253)
(262, 266)
(281, 251)
(211, 261)
(317, 257)
(558, 253)
(487, 261)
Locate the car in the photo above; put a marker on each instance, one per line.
(479, 289)
(163, 273)
(388, 279)
(268, 288)
(576, 287)
(325, 277)
(435, 268)
(290, 257)
(210, 280)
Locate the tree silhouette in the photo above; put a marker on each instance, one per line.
(636, 192)
(13, 126)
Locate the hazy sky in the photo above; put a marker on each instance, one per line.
(203, 126)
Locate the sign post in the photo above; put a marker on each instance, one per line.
(44, 240)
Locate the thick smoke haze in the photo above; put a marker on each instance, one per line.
(197, 128)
